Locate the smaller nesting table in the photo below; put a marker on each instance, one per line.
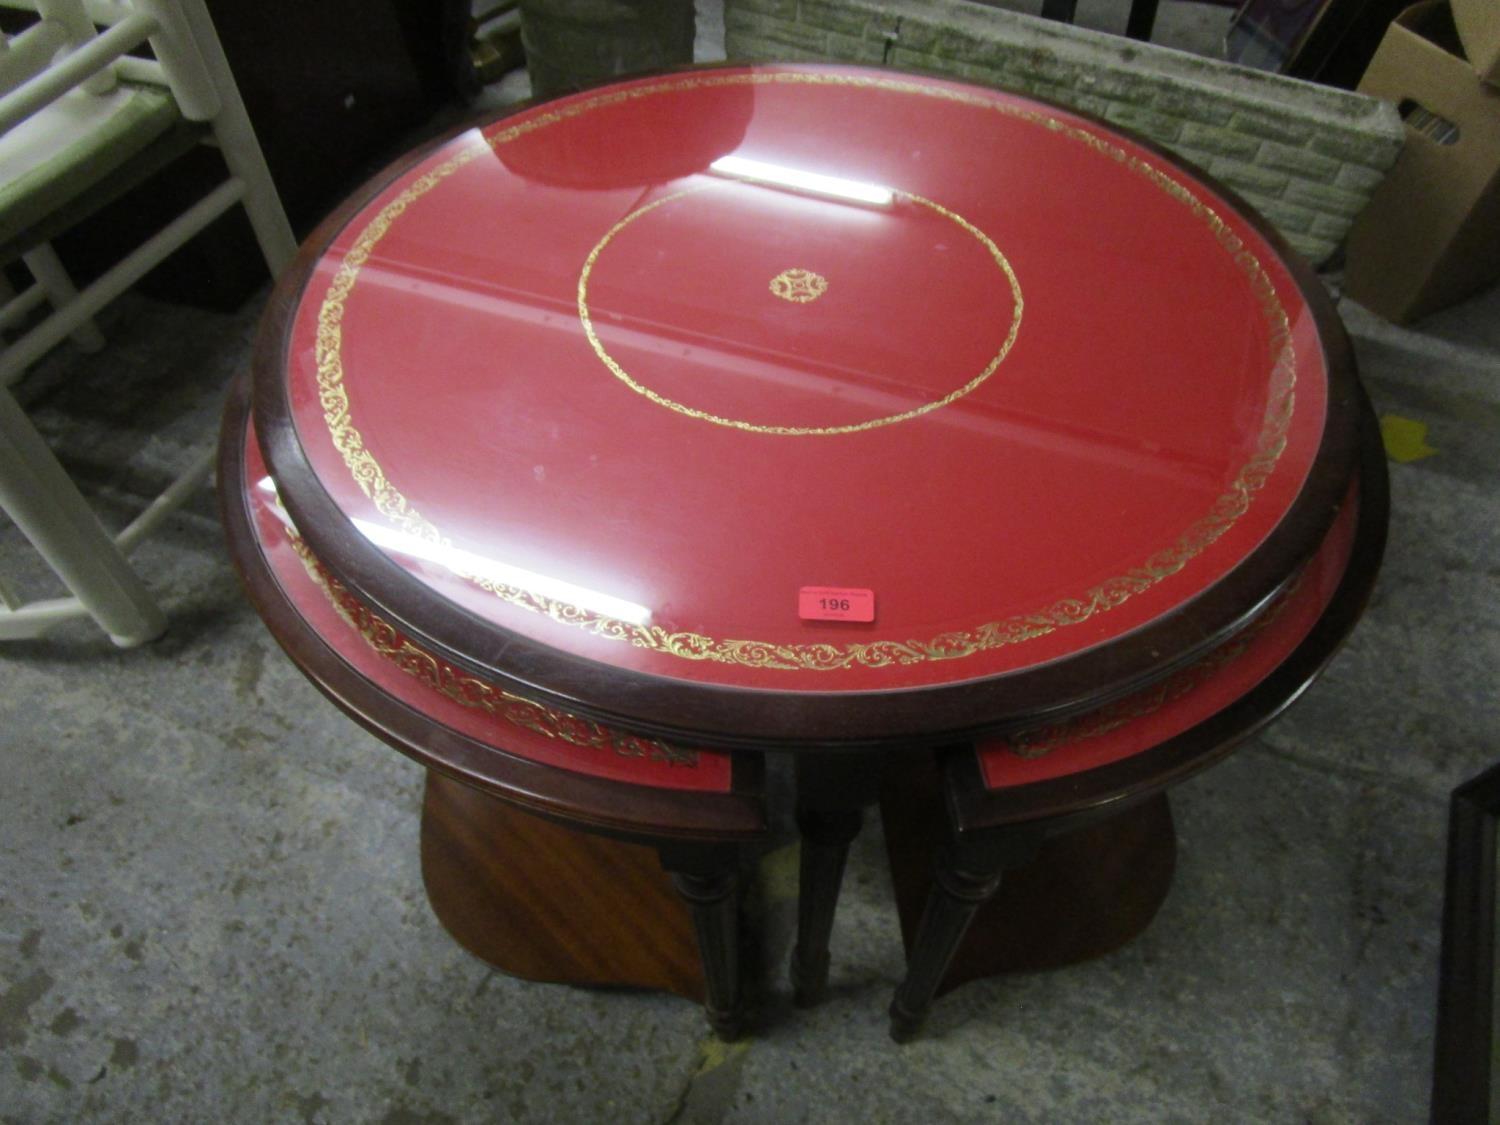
(546, 838)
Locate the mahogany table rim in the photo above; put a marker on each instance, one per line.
(568, 797)
(1107, 789)
(993, 831)
(732, 717)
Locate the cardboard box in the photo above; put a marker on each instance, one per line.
(1478, 23)
(1430, 235)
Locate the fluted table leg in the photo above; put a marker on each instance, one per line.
(963, 883)
(707, 879)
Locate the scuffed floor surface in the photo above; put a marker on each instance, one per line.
(211, 908)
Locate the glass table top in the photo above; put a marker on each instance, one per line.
(625, 374)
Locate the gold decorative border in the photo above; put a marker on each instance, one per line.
(624, 376)
(958, 644)
(389, 643)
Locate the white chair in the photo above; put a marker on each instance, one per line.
(81, 120)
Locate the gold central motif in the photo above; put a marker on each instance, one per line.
(959, 644)
(799, 286)
(640, 388)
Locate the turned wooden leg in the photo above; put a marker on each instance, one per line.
(826, 837)
(708, 881)
(966, 876)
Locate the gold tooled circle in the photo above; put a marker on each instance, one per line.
(640, 388)
(957, 644)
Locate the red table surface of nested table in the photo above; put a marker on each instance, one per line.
(619, 375)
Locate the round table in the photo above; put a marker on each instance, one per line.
(808, 409)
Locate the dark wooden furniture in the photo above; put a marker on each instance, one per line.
(1139, 22)
(509, 778)
(331, 89)
(626, 403)
(1006, 797)
(1463, 1073)
(1330, 42)
(1251, 462)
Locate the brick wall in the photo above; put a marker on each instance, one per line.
(1308, 157)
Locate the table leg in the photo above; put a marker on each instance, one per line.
(1085, 893)
(832, 791)
(965, 876)
(826, 837)
(707, 879)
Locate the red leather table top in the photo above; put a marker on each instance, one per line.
(620, 374)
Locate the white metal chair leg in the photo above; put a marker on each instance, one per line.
(38, 495)
(48, 270)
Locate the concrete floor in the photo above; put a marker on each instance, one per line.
(210, 907)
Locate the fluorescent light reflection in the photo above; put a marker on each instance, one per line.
(268, 486)
(468, 564)
(795, 178)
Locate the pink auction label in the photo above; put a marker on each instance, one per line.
(835, 603)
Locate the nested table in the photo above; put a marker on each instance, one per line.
(819, 410)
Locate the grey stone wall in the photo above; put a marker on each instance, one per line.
(1308, 157)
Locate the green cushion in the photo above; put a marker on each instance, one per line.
(143, 115)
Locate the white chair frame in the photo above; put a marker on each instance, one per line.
(34, 488)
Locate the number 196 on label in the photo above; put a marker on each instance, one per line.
(835, 603)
